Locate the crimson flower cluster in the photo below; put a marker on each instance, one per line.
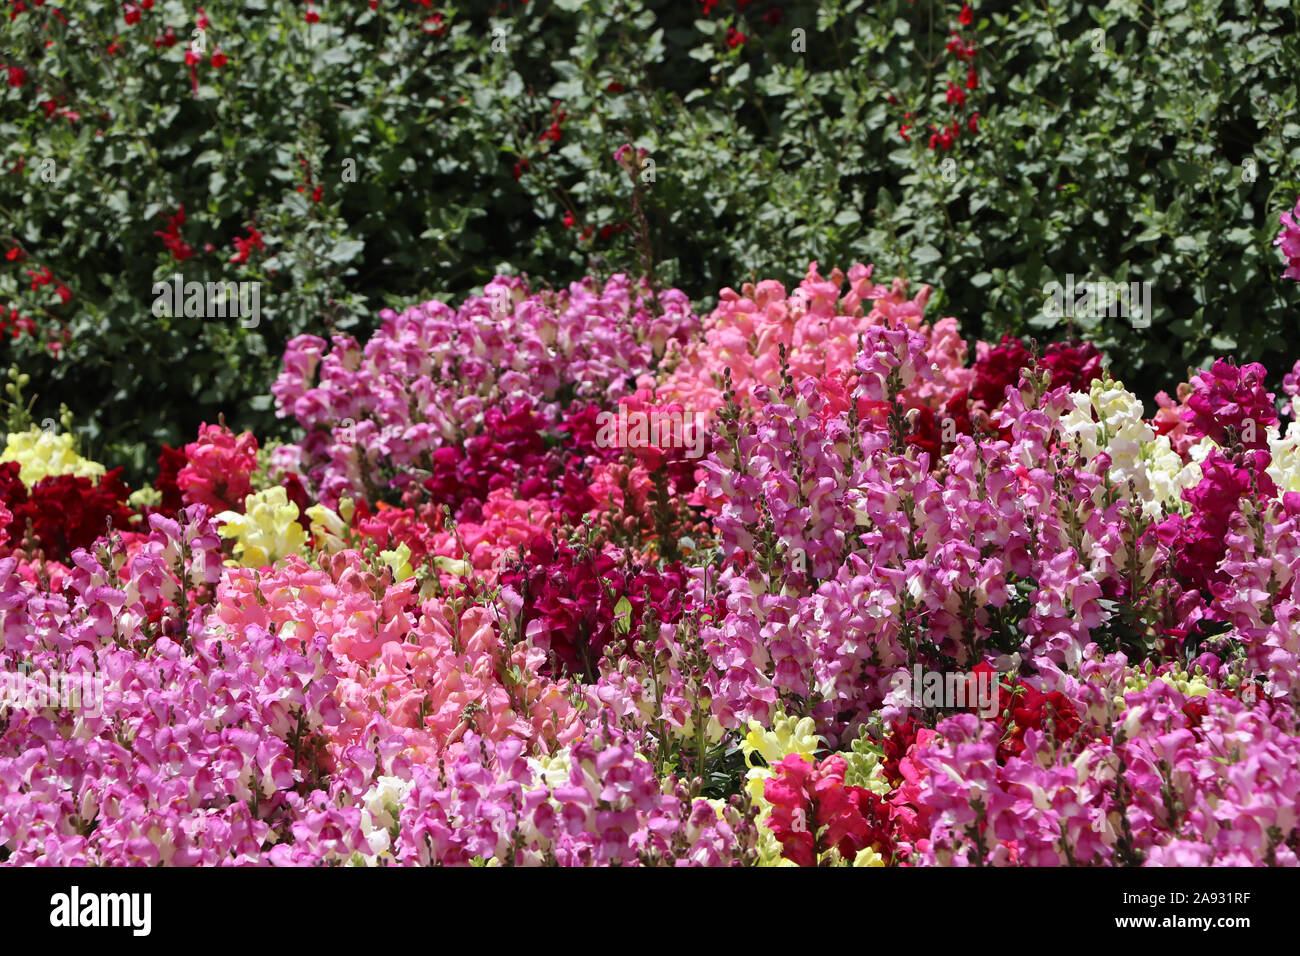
(66, 512)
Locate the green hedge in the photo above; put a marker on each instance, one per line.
(1122, 155)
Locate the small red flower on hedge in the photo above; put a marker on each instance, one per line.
(131, 13)
(734, 37)
(17, 76)
(43, 277)
(244, 247)
(966, 15)
(180, 249)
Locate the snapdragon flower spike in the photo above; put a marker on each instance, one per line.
(1289, 241)
(428, 378)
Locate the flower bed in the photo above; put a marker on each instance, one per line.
(458, 622)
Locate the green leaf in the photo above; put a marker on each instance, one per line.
(345, 250)
(623, 615)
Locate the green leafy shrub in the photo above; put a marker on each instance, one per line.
(406, 152)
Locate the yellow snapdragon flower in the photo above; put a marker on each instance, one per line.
(789, 735)
(1192, 685)
(267, 531)
(41, 453)
(328, 527)
(400, 561)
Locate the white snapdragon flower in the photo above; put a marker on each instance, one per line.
(1284, 468)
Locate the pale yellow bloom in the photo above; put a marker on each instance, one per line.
(400, 561)
(267, 531)
(41, 454)
(1284, 466)
(868, 857)
(789, 735)
(144, 497)
(327, 528)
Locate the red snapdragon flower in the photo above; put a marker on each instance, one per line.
(170, 462)
(1074, 365)
(1224, 398)
(66, 512)
(996, 369)
(808, 797)
(217, 468)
